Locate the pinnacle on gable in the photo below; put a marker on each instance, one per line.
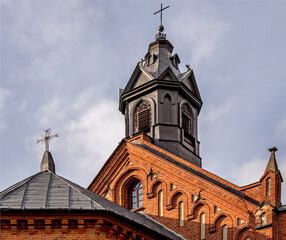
(272, 164)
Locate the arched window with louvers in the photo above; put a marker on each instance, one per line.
(186, 119)
(142, 116)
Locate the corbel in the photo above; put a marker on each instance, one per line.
(111, 231)
(13, 223)
(48, 226)
(122, 234)
(31, 226)
(98, 226)
(80, 223)
(64, 225)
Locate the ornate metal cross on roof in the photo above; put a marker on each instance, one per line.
(47, 138)
(161, 28)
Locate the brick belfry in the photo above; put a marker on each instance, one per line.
(163, 102)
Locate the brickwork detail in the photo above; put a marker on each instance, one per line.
(67, 226)
(221, 207)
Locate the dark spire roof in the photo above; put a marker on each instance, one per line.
(272, 164)
(48, 162)
(160, 57)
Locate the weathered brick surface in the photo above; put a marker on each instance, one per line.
(129, 162)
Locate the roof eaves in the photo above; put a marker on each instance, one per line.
(17, 185)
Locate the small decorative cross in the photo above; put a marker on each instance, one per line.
(47, 138)
(161, 28)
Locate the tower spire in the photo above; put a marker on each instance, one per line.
(272, 164)
(47, 160)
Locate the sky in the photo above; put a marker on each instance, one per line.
(63, 63)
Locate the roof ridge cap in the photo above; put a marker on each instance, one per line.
(68, 183)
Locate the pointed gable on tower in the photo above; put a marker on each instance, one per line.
(158, 82)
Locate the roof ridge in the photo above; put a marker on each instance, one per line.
(72, 186)
(85, 191)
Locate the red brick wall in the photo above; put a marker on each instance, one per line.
(130, 161)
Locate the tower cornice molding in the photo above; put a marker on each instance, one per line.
(158, 84)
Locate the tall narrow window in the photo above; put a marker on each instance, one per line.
(160, 203)
(263, 219)
(142, 116)
(203, 226)
(136, 195)
(181, 214)
(167, 108)
(267, 186)
(224, 232)
(186, 119)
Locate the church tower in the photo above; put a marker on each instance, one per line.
(162, 102)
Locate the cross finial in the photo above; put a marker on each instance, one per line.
(161, 28)
(47, 138)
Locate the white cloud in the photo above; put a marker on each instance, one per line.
(248, 172)
(51, 37)
(281, 130)
(200, 32)
(90, 128)
(5, 95)
(216, 111)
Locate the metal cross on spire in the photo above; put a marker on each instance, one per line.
(161, 28)
(47, 138)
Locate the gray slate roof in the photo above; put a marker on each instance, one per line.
(48, 191)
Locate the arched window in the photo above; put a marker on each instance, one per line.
(142, 116)
(181, 214)
(203, 226)
(224, 232)
(167, 108)
(136, 195)
(248, 238)
(186, 119)
(267, 186)
(160, 203)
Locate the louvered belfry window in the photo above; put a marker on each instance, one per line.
(142, 116)
(186, 119)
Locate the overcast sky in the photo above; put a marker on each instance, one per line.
(63, 62)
